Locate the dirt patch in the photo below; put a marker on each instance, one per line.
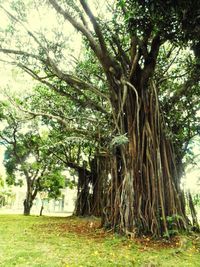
(87, 228)
(91, 229)
(148, 242)
(176, 242)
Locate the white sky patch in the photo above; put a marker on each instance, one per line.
(13, 80)
(191, 181)
(31, 159)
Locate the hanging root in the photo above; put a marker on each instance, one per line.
(145, 193)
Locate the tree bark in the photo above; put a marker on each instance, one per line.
(30, 196)
(145, 187)
(82, 206)
(92, 186)
(41, 210)
(193, 212)
(100, 170)
(27, 206)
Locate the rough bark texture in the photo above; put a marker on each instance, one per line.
(91, 188)
(193, 212)
(28, 204)
(100, 166)
(82, 206)
(145, 189)
(30, 196)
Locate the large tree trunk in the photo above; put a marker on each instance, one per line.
(145, 195)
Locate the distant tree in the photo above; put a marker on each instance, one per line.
(75, 139)
(25, 157)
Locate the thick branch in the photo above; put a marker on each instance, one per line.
(150, 62)
(88, 103)
(95, 25)
(75, 81)
(78, 26)
(99, 48)
(71, 164)
(69, 79)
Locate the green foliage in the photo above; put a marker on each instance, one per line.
(173, 20)
(119, 140)
(172, 225)
(196, 200)
(52, 182)
(28, 155)
(3, 106)
(70, 183)
(10, 178)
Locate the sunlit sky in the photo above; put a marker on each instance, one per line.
(17, 82)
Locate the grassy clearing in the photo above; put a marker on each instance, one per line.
(71, 242)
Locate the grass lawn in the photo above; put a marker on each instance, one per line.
(71, 242)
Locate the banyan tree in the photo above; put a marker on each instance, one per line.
(145, 185)
(143, 193)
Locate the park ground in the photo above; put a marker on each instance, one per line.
(74, 242)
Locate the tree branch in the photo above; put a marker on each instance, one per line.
(150, 61)
(21, 53)
(69, 79)
(95, 25)
(78, 26)
(60, 120)
(99, 48)
(88, 103)
(75, 81)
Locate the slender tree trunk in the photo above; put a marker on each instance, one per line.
(41, 210)
(193, 212)
(30, 196)
(82, 207)
(99, 170)
(28, 204)
(92, 187)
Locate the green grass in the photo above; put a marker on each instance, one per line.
(70, 242)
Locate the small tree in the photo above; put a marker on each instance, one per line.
(26, 157)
